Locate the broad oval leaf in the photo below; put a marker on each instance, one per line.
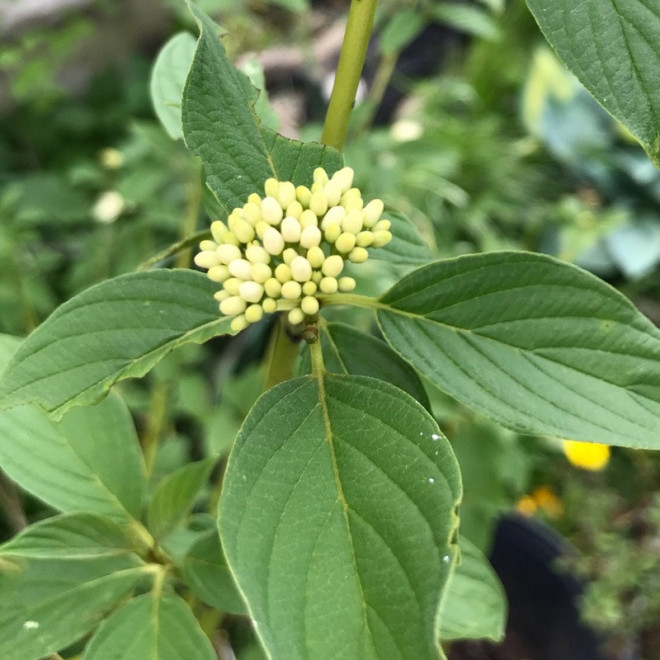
(338, 517)
(612, 46)
(475, 604)
(168, 78)
(537, 345)
(155, 625)
(117, 329)
(50, 598)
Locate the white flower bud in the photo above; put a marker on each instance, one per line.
(239, 323)
(232, 306)
(382, 225)
(240, 268)
(315, 256)
(303, 195)
(271, 187)
(228, 253)
(230, 239)
(335, 214)
(332, 266)
(289, 255)
(318, 203)
(332, 191)
(218, 230)
(352, 199)
(221, 295)
(320, 176)
(301, 269)
(291, 290)
(283, 273)
(364, 239)
(310, 237)
(286, 193)
(344, 177)
(260, 272)
(273, 241)
(241, 228)
(332, 232)
(308, 219)
(328, 285)
(291, 230)
(358, 255)
(218, 273)
(294, 210)
(309, 288)
(352, 223)
(317, 186)
(296, 316)
(257, 255)
(233, 285)
(309, 305)
(381, 238)
(261, 228)
(273, 287)
(346, 284)
(251, 291)
(271, 211)
(207, 259)
(254, 313)
(269, 305)
(345, 243)
(252, 213)
(372, 211)
(208, 246)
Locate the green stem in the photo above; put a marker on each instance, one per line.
(316, 355)
(352, 299)
(155, 424)
(190, 217)
(351, 60)
(282, 353)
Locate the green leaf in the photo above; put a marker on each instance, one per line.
(470, 20)
(117, 329)
(175, 496)
(221, 126)
(206, 572)
(475, 603)
(537, 345)
(349, 351)
(57, 580)
(327, 569)
(168, 78)
(158, 626)
(613, 48)
(404, 26)
(407, 246)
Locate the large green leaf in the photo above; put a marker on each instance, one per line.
(158, 626)
(612, 46)
(475, 603)
(338, 518)
(57, 580)
(168, 78)
(407, 246)
(536, 344)
(221, 126)
(117, 329)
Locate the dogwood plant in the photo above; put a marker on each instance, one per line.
(337, 528)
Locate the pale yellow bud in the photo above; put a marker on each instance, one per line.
(317, 276)
(251, 291)
(253, 198)
(296, 316)
(257, 255)
(364, 239)
(291, 290)
(218, 273)
(320, 176)
(316, 187)
(254, 313)
(315, 256)
(345, 243)
(346, 284)
(344, 177)
(310, 237)
(372, 212)
(301, 269)
(332, 232)
(332, 266)
(261, 228)
(239, 323)
(271, 187)
(207, 259)
(232, 306)
(240, 268)
(286, 194)
(318, 203)
(309, 305)
(269, 305)
(273, 241)
(358, 255)
(303, 195)
(289, 255)
(252, 213)
(381, 238)
(209, 246)
(218, 230)
(352, 223)
(283, 273)
(271, 211)
(233, 285)
(334, 215)
(328, 285)
(231, 239)
(291, 230)
(221, 295)
(261, 272)
(241, 228)
(309, 288)
(273, 287)
(382, 225)
(308, 219)
(294, 210)
(228, 253)
(332, 192)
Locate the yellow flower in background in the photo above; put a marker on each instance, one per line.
(542, 499)
(586, 455)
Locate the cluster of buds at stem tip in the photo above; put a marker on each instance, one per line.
(282, 251)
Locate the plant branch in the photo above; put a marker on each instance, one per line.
(351, 60)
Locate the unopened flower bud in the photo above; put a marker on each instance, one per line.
(273, 287)
(208, 246)
(218, 273)
(372, 212)
(233, 285)
(207, 259)
(251, 291)
(289, 255)
(294, 210)
(309, 288)
(335, 214)
(315, 256)
(291, 230)
(358, 255)
(332, 232)
(260, 272)
(318, 203)
(269, 305)
(254, 313)
(228, 253)
(381, 238)
(273, 241)
(344, 177)
(252, 213)
(308, 219)
(291, 290)
(283, 273)
(309, 305)
(221, 295)
(271, 211)
(239, 323)
(345, 243)
(310, 237)
(232, 306)
(286, 194)
(257, 255)
(303, 195)
(332, 192)
(241, 228)
(364, 239)
(218, 230)
(296, 316)
(352, 223)
(346, 284)
(328, 285)
(320, 176)
(271, 187)
(332, 266)
(301, 269)
(382, 225)
(240, 268)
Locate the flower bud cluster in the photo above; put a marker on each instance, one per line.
(281, 251)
